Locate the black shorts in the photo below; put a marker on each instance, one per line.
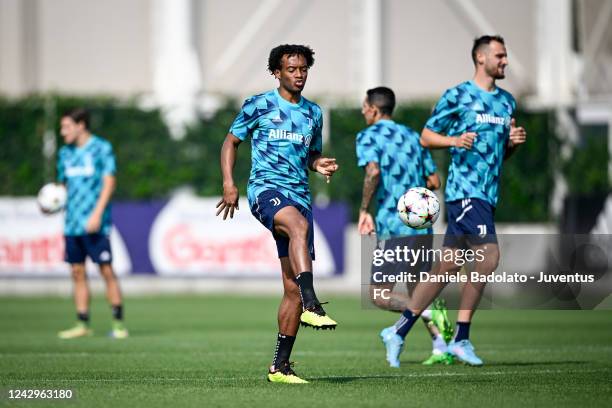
(96, 246)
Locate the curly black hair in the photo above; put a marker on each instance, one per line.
(276, 55)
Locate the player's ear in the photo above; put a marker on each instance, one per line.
(480, 57)
(376, 111)
(276, 73)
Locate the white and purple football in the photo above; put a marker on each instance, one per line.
(418, 208)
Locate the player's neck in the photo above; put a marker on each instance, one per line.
(484, 81)
(82, 139)
(382, 117)
(289, 96)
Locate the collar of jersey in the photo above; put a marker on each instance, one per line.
(283, 101)
(91, 137)
(493, 92)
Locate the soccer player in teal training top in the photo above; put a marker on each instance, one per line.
(395, 161)
(474, 120)
(86, 165)
(285, 130)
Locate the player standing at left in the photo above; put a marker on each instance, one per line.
(86, 165)
(286, 139)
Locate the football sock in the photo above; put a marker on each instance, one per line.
(438, 344)
(307, 293)
(83, 317)
(462, 332)
(118, 312)
(426, 315)
(284, 344)
(405, 323)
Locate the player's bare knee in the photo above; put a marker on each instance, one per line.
(490, 260)
(78, 273)
(107, 273)
(378, 296)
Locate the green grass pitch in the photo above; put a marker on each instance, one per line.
(214, 351)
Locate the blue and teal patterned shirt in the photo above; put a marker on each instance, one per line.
(283, 136)
(474, 173)
(403, 164)
(82, 170)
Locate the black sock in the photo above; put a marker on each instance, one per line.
(83, 317)
(284, 345)
(462, 332)
(118, 312)
(307, 293)
(405, 323)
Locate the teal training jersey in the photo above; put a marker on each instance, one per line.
(474, 173)
(403, 164)
(82, 170)
(283, 136)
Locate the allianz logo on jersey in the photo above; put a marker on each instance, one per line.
(280, 134)
(86, 170)
(494, 120)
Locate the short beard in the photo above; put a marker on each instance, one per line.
(495, 75)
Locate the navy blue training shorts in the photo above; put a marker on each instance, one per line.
(470, 222)
(96, 246)
(265, 208)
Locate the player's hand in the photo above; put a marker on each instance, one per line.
(465, 141)
(327, 166)
(518, 135)
(93, 224)
(229, 202)
(365, 226)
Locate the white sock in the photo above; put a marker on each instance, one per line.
(426, 314)
(439, 345)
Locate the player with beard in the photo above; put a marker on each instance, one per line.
(474, 120)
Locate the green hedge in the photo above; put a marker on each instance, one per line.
(152, 165)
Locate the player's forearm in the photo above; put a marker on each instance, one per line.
(433, 140)
(228, 160)
(370, 184)
(108, 187)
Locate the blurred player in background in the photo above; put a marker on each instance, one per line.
(86, 166)
(474, 120)
(285, 130)
(395, 161)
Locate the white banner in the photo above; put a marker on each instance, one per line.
(32, 244)
(188, 239)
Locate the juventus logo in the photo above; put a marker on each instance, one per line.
(310, 122)
(482, 230)
(275, 201)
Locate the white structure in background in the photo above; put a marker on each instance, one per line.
(176, 72)
(371, 30)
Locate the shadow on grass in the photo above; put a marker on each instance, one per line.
(348, 379)
(449, 371)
